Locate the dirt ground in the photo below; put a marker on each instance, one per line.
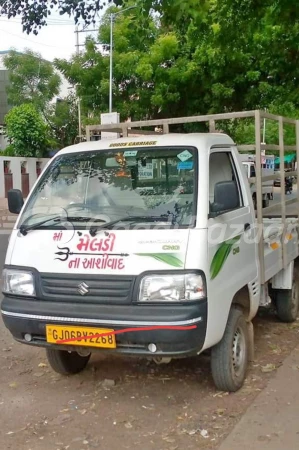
(122, 403)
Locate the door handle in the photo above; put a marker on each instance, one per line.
(246, 226)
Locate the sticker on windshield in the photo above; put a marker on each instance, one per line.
(147, 172)
(184, 155)
(130, 153)
(187, 165)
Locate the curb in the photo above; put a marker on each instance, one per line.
(271, 422)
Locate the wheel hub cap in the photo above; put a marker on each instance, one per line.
(238, 351)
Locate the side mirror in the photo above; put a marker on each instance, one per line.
(15, 201)
(226, 198)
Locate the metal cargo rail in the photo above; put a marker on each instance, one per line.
(127, 128)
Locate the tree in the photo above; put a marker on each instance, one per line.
(192, 57)
(62, 119)
(150, 69)
(32, 79)
(253, 52)
(34, 13)
(26, 131)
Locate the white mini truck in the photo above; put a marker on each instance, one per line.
(149, 247)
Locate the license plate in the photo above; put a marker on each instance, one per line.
(82, 336)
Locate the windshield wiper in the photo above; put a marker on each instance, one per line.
(93, 229)
(25, 228)
(163, 218)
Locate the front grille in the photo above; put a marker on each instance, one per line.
(95, 288)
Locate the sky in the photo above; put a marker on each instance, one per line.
(57, 40)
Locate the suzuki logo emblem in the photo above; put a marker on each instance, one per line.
(83, 288)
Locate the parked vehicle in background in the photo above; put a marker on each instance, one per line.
(267, 164)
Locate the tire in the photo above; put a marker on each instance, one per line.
(229, 358)
(287, 301)
(66, 363)
(265, 202)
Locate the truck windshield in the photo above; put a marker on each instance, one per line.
(112, 185)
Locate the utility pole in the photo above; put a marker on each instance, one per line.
(78, 99)
(77, 31)
(77, 39)
(111, 62)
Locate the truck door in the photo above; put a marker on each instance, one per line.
(232, 251)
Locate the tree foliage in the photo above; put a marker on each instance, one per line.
(26, 131)
(62, 119)
(224, 56)
(32, 79)
(184, 58)
(150, 69)
(34, 13)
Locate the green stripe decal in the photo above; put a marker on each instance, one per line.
(168, 258)
(221, 256)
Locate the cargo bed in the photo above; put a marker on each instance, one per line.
(275, 234)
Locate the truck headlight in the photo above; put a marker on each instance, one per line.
(172, 288)
(18, 282)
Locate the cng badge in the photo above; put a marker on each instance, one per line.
(170, 247)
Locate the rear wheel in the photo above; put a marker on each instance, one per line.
(287, 301)
(66, 363)
(229, 358)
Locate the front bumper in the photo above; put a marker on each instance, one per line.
(30, 316)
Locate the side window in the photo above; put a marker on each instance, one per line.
(222, 169)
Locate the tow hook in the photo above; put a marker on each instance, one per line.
(160, 360)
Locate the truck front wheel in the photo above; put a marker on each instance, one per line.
(66, 363)
(229, 358)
